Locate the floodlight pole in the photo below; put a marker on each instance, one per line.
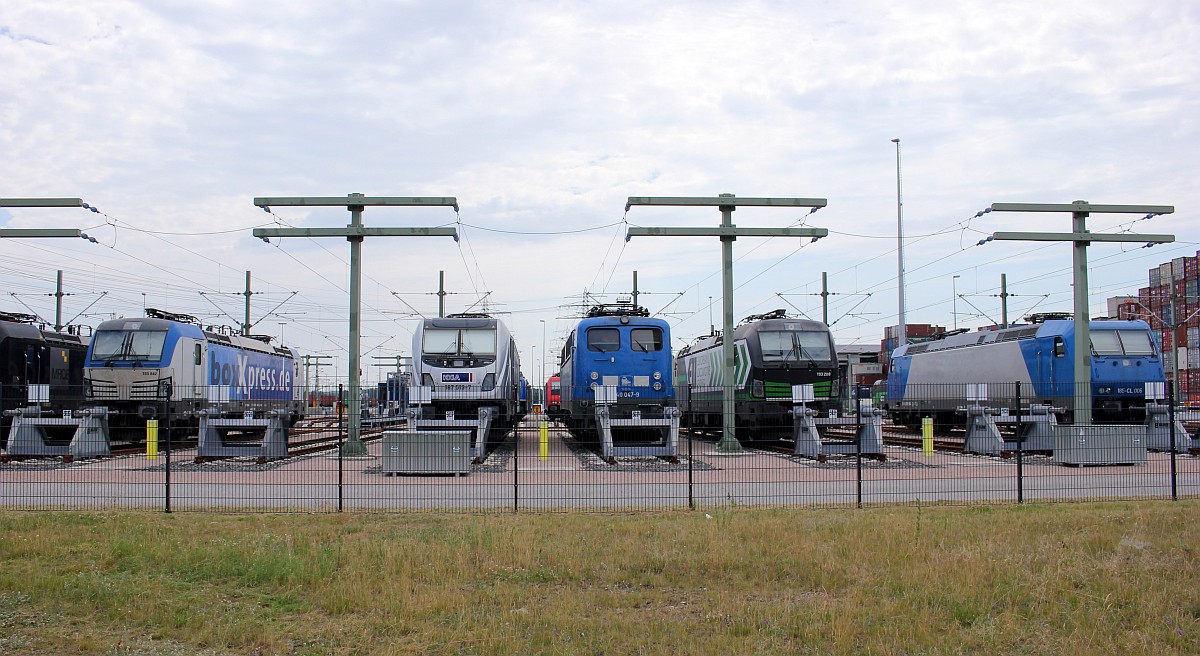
(354, 233)
(1080, 238)
(728, 233)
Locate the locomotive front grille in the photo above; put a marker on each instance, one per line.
(147, 390)
(102, 389)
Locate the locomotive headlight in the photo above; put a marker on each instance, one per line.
(164, 389)
(657, 376)
(427, 380)
(757, 388)
(489, 383)
(593, 387)
(657, 386)
(595, 376)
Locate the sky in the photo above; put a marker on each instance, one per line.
(543, 118)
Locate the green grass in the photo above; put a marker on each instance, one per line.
(1117, 578)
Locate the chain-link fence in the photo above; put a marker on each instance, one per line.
(205, 449)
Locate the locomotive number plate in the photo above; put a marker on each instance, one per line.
(457, 377)
(628, 394)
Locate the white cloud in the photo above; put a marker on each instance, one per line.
(171, 116)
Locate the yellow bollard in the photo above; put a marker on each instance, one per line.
(927, 436)
(152, 439)
(543, 441)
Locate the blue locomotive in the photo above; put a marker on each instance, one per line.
(929, 379)
(773, 352)
(166, 366)
(618, 346)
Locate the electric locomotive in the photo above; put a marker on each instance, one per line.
(51, 362)
(468, 361)
(930, 379)
(167, 366)
(772, 353)
(554, 397)
(619, 346)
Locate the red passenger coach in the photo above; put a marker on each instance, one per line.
(553, 396)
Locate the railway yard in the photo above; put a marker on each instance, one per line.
(528, 472)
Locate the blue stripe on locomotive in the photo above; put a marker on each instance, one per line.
(250, 375)
(622, 363)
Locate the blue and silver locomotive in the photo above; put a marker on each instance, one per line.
(930, 379)
(168, 367)
(618, 346)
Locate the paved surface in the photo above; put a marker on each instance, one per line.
(569, 477)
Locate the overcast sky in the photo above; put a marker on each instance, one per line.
(542, 118)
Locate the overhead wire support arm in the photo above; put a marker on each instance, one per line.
(728, 233)
(45, 232)
(723, 201)
(1080, 238)
(354, 233)
(41, 232)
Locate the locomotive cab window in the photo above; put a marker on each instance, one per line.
(443, 342)
(138, 345)
(645, 340)
(478, 342)
(603, 340)
(459, 342)
(1106, 342)
(794, 346)
(568, 348)
(1136, 342)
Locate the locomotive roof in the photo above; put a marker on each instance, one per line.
(755, 325)
(617, 310)
(621, 320)
(779, 323)
(460, 322)
(191, 330)
(23, 330)
(140, 323)
(958, 339)
(19, 330)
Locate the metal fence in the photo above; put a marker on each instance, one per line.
(965, 446)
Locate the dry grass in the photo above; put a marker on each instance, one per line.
(1115, 578)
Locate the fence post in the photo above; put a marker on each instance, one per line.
(1171, 421)
(516, 466)
(167, 486)
(341, 437)
(858, 448)
(1020, 447)
(690, 484)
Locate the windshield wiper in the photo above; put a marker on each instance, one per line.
(795, 349)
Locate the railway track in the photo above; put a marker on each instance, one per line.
(315, 439)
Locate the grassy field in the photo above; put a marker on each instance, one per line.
(1119, 578)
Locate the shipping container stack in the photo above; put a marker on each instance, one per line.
(916, 332)
(1154, 306)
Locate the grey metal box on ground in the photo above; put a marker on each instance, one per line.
(1100, 445)
(426, 452)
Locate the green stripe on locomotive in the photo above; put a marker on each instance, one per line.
(821, 390)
